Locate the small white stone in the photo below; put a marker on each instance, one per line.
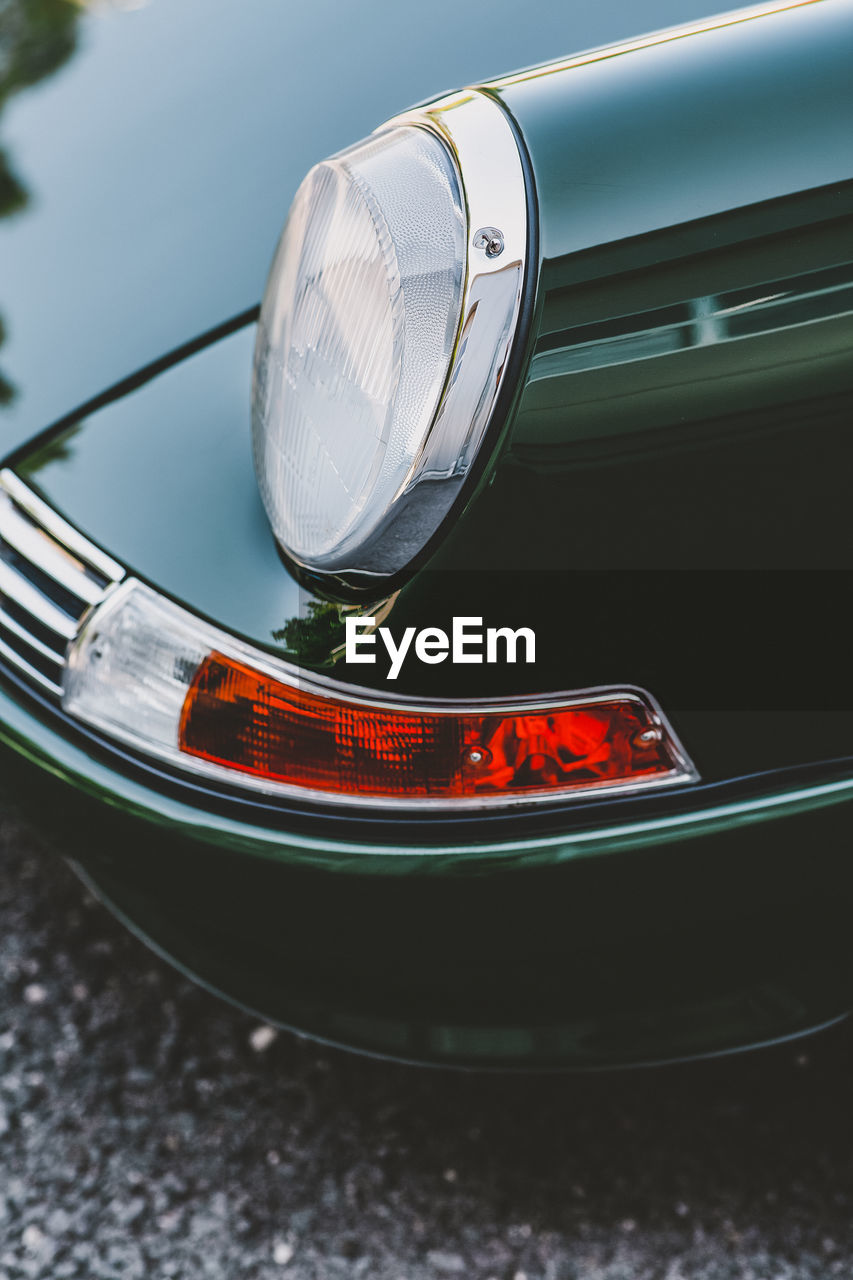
(262, 1037)
(32, 1238)
(35, 993)
(282, 1253)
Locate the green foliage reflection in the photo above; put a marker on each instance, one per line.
(36, 38)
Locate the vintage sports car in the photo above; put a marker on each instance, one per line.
(480, 697)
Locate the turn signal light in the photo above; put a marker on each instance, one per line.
(243, 719)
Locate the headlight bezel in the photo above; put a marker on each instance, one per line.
(494, 311)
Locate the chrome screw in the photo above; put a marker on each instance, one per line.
(491, 240)
(646, 737)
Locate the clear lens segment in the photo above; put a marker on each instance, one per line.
(149, 674)
(129, 670)
(355, 339)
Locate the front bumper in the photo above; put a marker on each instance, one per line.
(699, 930)
(605, 933)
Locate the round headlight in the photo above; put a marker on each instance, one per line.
(363, 426)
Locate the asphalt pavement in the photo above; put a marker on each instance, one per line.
(148, 1130)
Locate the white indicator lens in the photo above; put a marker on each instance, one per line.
(355, 339)
(129, 671)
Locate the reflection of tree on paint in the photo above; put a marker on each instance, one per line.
(57, 449)
(317, 639)
(7, 391)
(36, 38)
(311, 639)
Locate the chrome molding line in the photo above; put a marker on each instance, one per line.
(702, 25)
(51, 576)
(60, 530)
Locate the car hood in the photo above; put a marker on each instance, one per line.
(149, 152)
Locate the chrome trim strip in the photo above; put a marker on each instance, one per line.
(716, 23)
(14, 659)
(41, 550)
(40, 537)
(64, 533)
(478, 134)
(480, 140)
(11, 627)
(30, 599)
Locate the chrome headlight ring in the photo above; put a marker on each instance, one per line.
(300, 421)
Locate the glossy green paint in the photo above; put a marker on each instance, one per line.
(615, 949)
(678, 458)
(39, 740)
(164, 476)
(665, 504)
(724, 651)
(688, 392)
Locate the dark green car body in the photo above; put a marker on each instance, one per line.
(663, 496)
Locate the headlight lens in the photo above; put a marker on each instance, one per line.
(357, 330)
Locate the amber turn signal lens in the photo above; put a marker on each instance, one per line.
(243, 719)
